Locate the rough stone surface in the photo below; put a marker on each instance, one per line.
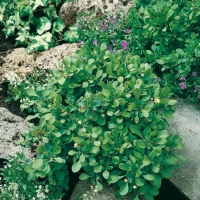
(186, 123)
(108, 192)
(23, 64)
(68, 12)
(11, 126)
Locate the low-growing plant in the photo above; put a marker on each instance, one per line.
(108, 28)
(164, 34)
(22, 88)
(104, 114)
(35, 24)
(17, 184)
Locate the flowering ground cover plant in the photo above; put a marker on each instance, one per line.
(161, 32)
(108, 29)
(103, 114)
(167, 34)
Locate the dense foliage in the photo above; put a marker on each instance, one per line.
(35, 24)
(164, 34)
(17, 184)
(105, 110)
(105, 115)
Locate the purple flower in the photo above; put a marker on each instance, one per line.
(79, 26)
(182, 78)
(128, 31)
(113, 20)
(109, 48)
(124, 45)
(95, 42)
(101, 22)
(196, 89)
(194, 74)
(182, 85)
(80, 43)
(114, 50)
(103, 28)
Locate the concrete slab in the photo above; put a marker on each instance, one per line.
(186, 122)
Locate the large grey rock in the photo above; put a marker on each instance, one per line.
(11, 127)
(68, 12)
(23, 64)
(186, 122)
(108, 192)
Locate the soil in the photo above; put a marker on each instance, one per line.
(168, 190)
(6, 46)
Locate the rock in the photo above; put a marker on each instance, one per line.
(68, 12)
(11, 127)
(108, 192)
(186, 124)
(22, 64)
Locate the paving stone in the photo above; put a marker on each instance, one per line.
(186, 122)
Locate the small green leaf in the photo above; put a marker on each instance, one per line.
(114, 179)
(82, 158)
(84, 176)
(172, 102)
(168, 114)
(140, 144)
(61, 80)
(56, 150)
(31, 92)
(29, 169)
(94, 150)
(97, 143)
(135, 129)
(37, 163)
(59, 160)
(72, 152)
(149, 177)
(106, 174)
(145, 113)
(160, 61)
(165, 92)
(124, 189)
(76, 166)
(85, 84)
(139, 181)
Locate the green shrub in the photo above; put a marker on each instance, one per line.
(35, 24)
(104, 114)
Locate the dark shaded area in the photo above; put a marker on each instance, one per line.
(2, 164)
(169, 191)
(14, 106)
(5, 45)
(73, 179)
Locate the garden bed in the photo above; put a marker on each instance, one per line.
(167, 191)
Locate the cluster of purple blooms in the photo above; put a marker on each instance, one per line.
(124, 45)
(183, 85)
(103, 27)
